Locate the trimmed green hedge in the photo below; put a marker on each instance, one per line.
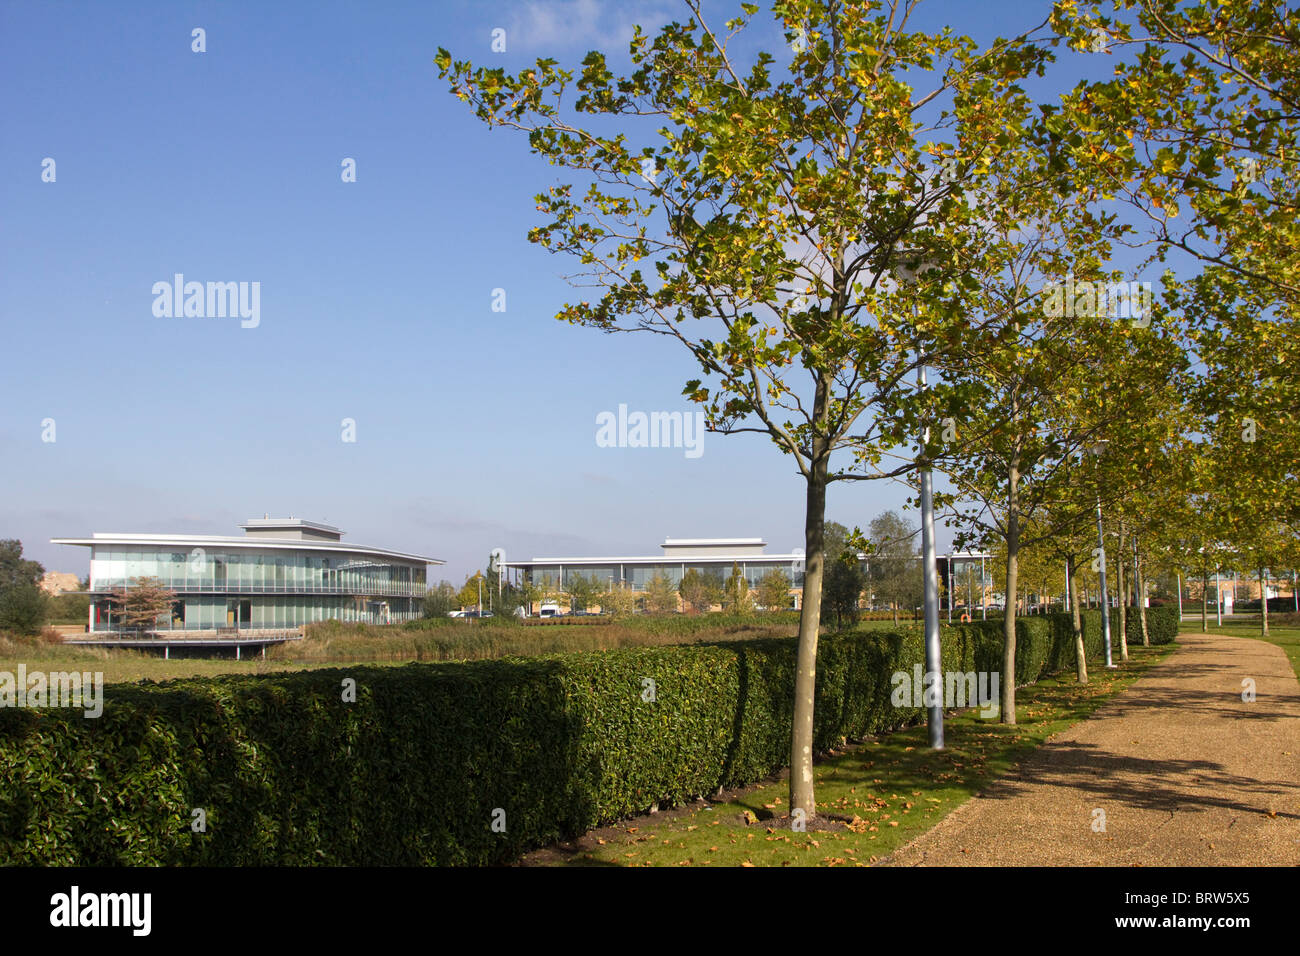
(1162, 625)
(414, 770)
(1045, 643)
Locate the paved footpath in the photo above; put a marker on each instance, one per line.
(1186, 772)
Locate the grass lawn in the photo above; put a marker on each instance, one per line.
(878, 796)
(1287, 638)
(125, 667)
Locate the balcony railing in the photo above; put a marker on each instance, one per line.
(398, 589)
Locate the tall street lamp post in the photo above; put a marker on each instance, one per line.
(906, 271)
(933, 660)
(1096, 451)
(1218, 600)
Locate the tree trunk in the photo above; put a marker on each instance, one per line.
(1140, 590)
(802, 796)
(1076, 620)
(1008, 703)
(1205, 601)
(1123, 598)
(1263, 602)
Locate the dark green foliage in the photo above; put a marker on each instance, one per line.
(440, 600)
(1045, 643)
(70, 607)
(411, 773)
(24, 609)
(842, 588)
(1162, 625)
(15, 570)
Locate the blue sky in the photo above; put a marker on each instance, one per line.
(474, 428)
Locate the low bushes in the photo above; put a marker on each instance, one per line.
(1162, 625)
(464, 763)
(1045, 642)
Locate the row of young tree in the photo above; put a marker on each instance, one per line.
(824, 224)
(696, 592)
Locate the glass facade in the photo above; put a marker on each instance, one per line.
(263, 587)
(637, 575)
(251, 571)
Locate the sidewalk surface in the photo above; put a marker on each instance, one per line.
(1185, 771)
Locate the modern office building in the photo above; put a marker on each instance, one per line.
(281, 573)
(719, 555)
(708, 555)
